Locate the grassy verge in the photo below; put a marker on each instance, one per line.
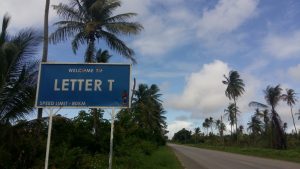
(163, 158)
(287, 155)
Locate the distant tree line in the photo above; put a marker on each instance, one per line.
(265, 128)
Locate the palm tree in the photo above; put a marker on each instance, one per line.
(220, 126)
(241, 129)
(290, 99)
(102, 56)
(258, 113)
(18, 72)
(266, 120)
(211, 123)
(205, 124)
(255, 125)
(230, 113)
(148, 111)
(272, 97)
(197, 132)
(285, 127)
(235, 88)
(86, 21)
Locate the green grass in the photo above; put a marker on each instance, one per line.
(163, 158)
(287, 155)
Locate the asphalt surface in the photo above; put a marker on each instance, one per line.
(196, 158)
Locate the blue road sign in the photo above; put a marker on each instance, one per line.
(83, 85)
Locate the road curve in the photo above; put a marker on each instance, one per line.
(196, 158)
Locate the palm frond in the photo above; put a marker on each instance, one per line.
(69, 13)
(28, 41)
(125, 28)
(102, 56)
(18, 75)
(257, 104)
(63, 33)
(118, 45)
(273, 95)
(17, 97)
(3, 34)
(78, 39)
(120, 18)
(104, 9)
(290, 97)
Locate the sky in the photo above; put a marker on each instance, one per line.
(188, 45)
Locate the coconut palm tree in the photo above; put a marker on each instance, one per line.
(258, 113)
(235, 88)
(197, 132)
(211, 123)
(285, 127)
(103, 56)
(266, 120)
(220, 126)
(205, 124)
(86, 21)
(148, 111)
(230, 113)
(241, 129)
(290, 99)
(272, 97)
(18, 72)
(255, 125)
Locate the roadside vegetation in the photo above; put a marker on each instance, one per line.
(288, 155)
(265, 134)
(81, 141)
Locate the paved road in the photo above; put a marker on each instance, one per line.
(196, 158)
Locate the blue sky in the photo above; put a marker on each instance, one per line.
(188, 45)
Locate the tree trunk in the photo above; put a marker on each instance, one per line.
(279, 140)
(45, 46)
(293, 120)
(235, 112)
(90, 51)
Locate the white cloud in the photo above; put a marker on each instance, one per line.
(283, 46)
(164, 29)
(26, 13)
(294, 72)
(177, 125)
(226, 17)
(256, 65)
(137, 6)
(171, 24)
(204, 93)
(158, 37)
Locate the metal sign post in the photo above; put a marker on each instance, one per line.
(49, 136)
(77, 85)
(111, 138)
